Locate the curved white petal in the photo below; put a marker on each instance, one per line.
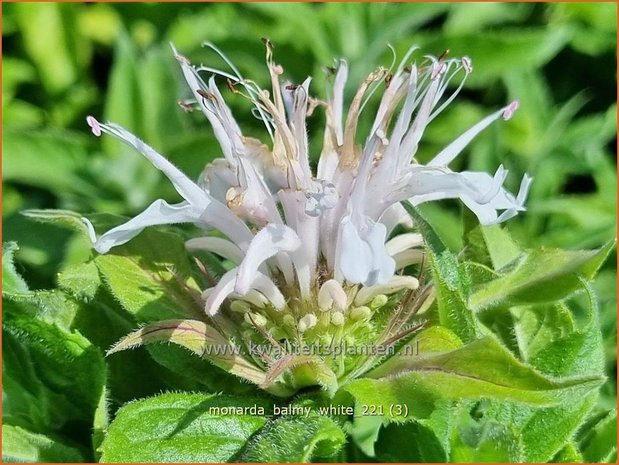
(331, 294)
(159, 212)
(217, 245)
(265, 285)
(450, 152)
(362, 257)
(270, 240)
(253, 297)
(353, 254)
(183, 185)
(396, 283)
(218, 294)
(408, 257)
(395, 215)
(219, 216)
(403, 242)
(480, 192)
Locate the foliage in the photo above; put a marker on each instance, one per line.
(517, 361)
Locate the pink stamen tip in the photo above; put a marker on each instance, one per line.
(94, 125)
(438, 69)
(510, 110)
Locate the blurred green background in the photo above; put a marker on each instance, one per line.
(62, 62)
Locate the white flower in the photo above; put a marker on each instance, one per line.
(319, 234)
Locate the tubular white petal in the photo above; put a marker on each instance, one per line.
(361, 255)
(225, 288)
(403, 242)
(253, 297)
(408, 257)
(331, 294)
(450, 152)
(90, 229)
(217, 245)
(306, 226)
(183, 185)
(395, 215)
(270, 240)
(337, 104)
(523, 192)
(220, 217)
(396, 283)
(198, 86)
(159, 212)
(353, 255)
(218, 294)
(265, 285)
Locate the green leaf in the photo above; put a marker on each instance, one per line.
(52, 307)
(294, 439)
(80, 280)
(535, 327)
(579, 353)
(559, 350)
(450, 279)
(474, 441)
(150, 277)
(59, 158)
(482, 368)
(100, 423)
(547, 431)
(21, 445)
(12, 282)
(50, 376)
(409, 443)
(429, 341)
(569, 454)
(542, 275)
(134, 374)
(63, 218)
(44, 28)
(488, 245)
(183, 427)
(600, 443)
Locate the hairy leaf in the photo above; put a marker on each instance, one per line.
(21, 445)
(183, 427)
(150, 277)
(50, 376)
(294, 439)
(451, 282)
(12, 282)
(480, 369)
(542, 275)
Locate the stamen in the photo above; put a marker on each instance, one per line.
(94, 125)
(185, 105)
(510, 110)
(467, 64)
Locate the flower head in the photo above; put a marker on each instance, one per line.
(312, 248)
